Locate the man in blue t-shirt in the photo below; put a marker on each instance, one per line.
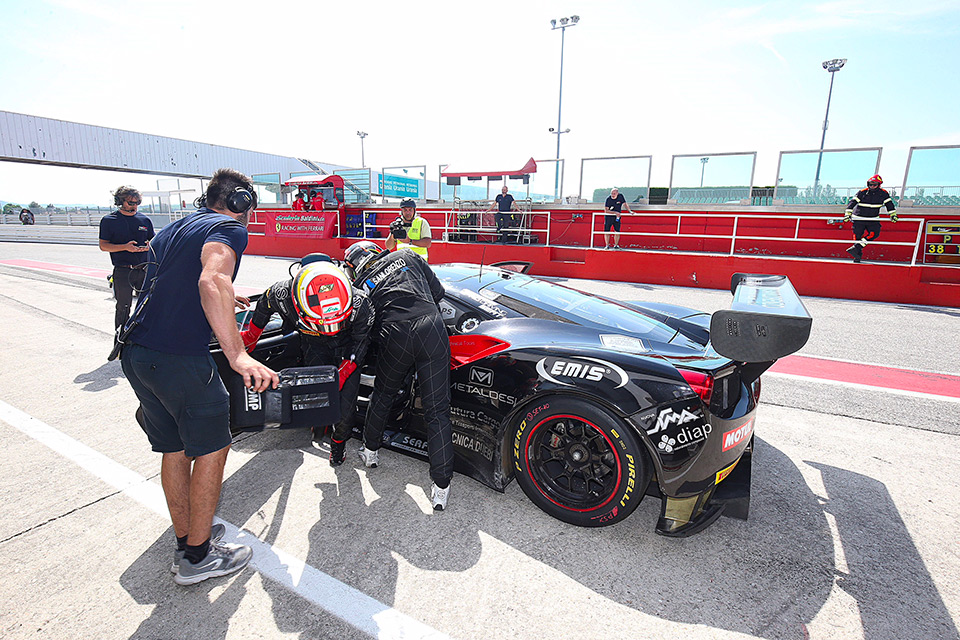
(505, 205)
(166, 358)
(125, 234)
(613, 204)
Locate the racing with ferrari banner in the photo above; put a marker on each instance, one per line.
(591, 404)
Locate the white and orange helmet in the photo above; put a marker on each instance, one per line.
(323, 298)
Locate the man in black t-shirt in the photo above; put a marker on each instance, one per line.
(505, 204)
(613, 205)
(125, 234)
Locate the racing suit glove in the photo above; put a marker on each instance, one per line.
(250, 336)
(847, 215)
(893, 216)
(347, 367)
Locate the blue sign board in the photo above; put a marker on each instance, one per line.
(399, 186)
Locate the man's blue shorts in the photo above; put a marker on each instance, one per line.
(611, 222)
(185, 405)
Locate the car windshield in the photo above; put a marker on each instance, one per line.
(522, 293)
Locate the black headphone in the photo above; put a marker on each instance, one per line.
(238, 201)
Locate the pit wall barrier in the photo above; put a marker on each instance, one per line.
(673, 246)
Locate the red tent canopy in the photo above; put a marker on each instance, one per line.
(332, 180)
(527, 169)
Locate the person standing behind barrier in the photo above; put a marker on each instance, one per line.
(410, 334)
(410, 231)
(299, 204)
(166, 359)
(864, 210)
(611, 220)
(125, 234)
(505, 205)
(26, 216)
(316, 201)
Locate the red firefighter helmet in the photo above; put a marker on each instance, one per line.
(323, 297)
(875, 179)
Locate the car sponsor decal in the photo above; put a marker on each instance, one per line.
(473, 444)
(409, 443)
(446, 310)
(723, 473)
(251, 398)
(481, 376)
(730, 439)
(580, 368)
(482, 392)
(685, 437)
(668, 417)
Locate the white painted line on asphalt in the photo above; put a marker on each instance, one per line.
(343, 601)
(865, 387)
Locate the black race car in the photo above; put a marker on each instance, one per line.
(592, 403)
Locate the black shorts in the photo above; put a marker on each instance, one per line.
(611, 221)
(868, 228)
(185, 405)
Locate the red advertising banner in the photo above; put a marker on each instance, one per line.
(299, 224)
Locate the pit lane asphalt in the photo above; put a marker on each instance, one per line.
(852, 531)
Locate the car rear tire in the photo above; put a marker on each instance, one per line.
(579, 462)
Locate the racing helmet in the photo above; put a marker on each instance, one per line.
(323, 297)
(360, 256)
(875, 179)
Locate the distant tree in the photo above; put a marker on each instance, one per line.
(11, 208)
(34, 204)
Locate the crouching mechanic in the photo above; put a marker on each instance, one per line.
(410, 334)
(864, 210)
(334, 320)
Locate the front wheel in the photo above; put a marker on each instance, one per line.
(579, 462)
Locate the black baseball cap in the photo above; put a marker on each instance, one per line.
(408, 203)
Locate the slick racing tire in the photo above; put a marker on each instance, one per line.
(579, 463)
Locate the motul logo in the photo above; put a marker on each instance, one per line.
(732, 438)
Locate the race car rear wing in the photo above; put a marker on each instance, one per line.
(765, 321)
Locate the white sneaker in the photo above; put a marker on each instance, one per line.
(439, 497)
(370, 458)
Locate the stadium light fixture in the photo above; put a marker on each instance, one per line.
(703, 167)
(564, 23)
(831, 66)
(363, 161)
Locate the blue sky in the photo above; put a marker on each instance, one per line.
(476, 84)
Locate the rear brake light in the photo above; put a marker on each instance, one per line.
(701, 383)
(469, 348)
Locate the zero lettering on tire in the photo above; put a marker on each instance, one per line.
(579, 463)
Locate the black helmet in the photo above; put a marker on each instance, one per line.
(360, 256)
(408, 203)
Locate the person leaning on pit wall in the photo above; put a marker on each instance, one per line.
(410, 335)
(125, 234)
(864, 210)
(166, 358)
(505, 205)
(410, 231)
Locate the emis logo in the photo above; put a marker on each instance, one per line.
(581, 368)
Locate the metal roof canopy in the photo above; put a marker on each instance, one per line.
(526, 169)
(37, 140)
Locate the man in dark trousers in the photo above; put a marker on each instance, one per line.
(410, 335)
(864, 210)
(334, 320)
(166, 358)
(125, 234)
(505, 205)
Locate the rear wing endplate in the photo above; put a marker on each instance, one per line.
(765, 321)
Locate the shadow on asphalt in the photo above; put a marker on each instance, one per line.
(103, 377)
(768, 576)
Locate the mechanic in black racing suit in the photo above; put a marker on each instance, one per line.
(864, 210)
(334, 320)
(410, 334)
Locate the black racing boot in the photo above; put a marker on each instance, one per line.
(856, 251)
(338, 452)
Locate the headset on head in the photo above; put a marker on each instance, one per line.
(239, 200)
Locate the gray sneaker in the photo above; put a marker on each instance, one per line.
(216, 532)
(222, 559)
(439, 497)
(370, 457)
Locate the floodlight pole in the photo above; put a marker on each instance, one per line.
(564, 23)
(832, 66)
(703, 167)
(363, 161)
